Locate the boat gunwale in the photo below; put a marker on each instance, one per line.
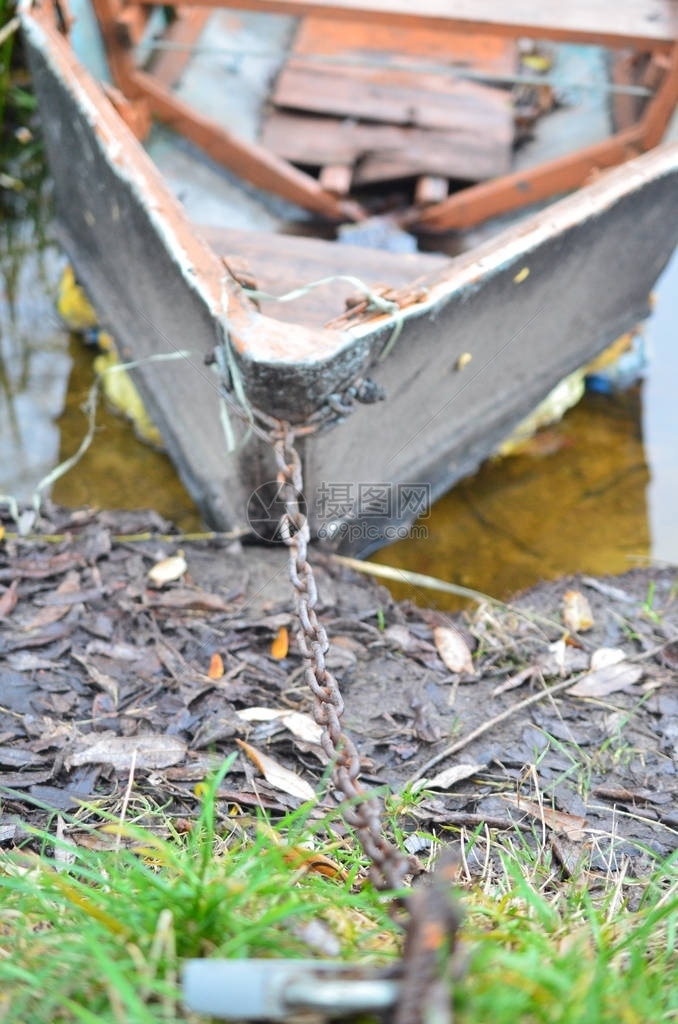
(261, 338)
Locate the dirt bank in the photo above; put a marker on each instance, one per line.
(104, 673)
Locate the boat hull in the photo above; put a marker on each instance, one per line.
(483, 339)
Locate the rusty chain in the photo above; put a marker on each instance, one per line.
(432, 913)
(388, 864)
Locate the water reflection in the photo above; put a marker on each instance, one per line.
(34, 361)
(45, 375)
(118, 470)
(575, 502)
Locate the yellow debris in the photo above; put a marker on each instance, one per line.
(563, 396)
(73, 305)
(122, 394)
(78, 314)
(536, 62)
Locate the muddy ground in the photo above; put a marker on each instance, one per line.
(103, 673)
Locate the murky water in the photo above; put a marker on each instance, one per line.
(597, 492)
(45, 376)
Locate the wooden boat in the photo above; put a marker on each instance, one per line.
(157, 221)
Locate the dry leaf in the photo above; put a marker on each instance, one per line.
(216, 669)
(259, 714)
(604, 681)
(52, 613)
(300, 725)
(280, 645)
(278, 776)
(64, 848)
(605, 656)
(299, 856)
(571, 825)
(152, 751)
(577, 614)
(453, 649)
(9, 599)
(669, 655)
(317, 936)
(168, 570)
(99, 678)
(189, 599)
(449, 777)
(517, 679)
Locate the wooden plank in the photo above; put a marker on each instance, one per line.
(336, 178)
(472, 205)
(661, 107)
(131, 24)
(396, 97)
(385, 152)
(168, 65)
(654, 22)
(488, 54)
(250, 161)
(281, 263)
(626, 68)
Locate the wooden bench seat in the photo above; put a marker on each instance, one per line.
(281, 263)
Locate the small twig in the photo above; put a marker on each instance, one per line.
(126, 799)
(418, 579)
(133, 538)
(458, 745)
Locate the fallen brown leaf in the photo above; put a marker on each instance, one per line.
(168, 570)
(276, 774)
(577, 614)
(149, 751)
(449, 777)
(669, 655)
(185, 598)
(52, 613)
(298, 856)
(9, 599)
(41, 568)
(604, 681)
(570, 825)
(453, 649)
(216, 669)
(281, 644)
(604, 656)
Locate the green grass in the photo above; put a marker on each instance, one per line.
(572, 952)
(96, 929)
(91, 933)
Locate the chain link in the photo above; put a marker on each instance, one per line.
(388, 865)
(432, 916)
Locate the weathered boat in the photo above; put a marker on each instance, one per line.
(157, 221)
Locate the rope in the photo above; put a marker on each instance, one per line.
(375, 302)
(90, 408)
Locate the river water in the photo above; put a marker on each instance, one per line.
(595, 493)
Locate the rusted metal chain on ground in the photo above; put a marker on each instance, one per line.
(388, 864)
(425, 981)
(432, 914)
